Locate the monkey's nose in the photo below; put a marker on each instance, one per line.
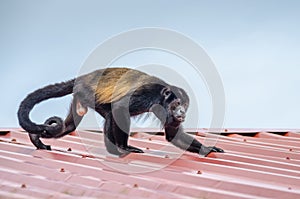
(180, 111)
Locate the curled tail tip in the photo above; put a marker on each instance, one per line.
(54, 125)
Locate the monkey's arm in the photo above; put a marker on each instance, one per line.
(186, 142)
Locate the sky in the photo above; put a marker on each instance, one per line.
(254, 45)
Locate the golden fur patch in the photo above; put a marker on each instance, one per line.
(115, 83)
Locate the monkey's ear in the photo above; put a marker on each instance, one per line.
(166, 92)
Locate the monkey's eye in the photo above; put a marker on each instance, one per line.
(176, 103)
(167, 93)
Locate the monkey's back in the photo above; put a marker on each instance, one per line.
(111, 84)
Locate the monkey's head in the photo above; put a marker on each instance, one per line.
(176, 102)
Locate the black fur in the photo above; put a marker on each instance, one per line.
(46, 130)
(55, 90)
(168, 103)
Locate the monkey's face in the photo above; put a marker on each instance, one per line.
(178, 110)
(177, 102)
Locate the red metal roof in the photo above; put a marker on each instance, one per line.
(257, 164)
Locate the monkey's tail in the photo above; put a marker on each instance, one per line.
(52, 125)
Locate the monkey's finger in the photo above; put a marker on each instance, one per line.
(216, 149)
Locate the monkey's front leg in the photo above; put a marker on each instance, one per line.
(179, 138)
(117, 128)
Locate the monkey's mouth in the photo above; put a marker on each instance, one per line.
(179, 118)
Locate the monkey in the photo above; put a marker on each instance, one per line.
(116, 94)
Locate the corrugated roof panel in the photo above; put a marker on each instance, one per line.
(256, 164)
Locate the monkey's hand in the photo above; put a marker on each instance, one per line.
(207, 150)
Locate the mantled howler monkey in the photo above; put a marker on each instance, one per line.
(116, 94)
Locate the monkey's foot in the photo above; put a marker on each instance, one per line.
(35, 139)
(129, 149)
(45, 147)
(207, 150)
(135, 149)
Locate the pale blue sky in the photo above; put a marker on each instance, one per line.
(255, 46)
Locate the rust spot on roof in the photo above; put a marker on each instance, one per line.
(199, 172)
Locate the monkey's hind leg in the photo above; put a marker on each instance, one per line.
(117, 133)
(76, 113)
(73, 119)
